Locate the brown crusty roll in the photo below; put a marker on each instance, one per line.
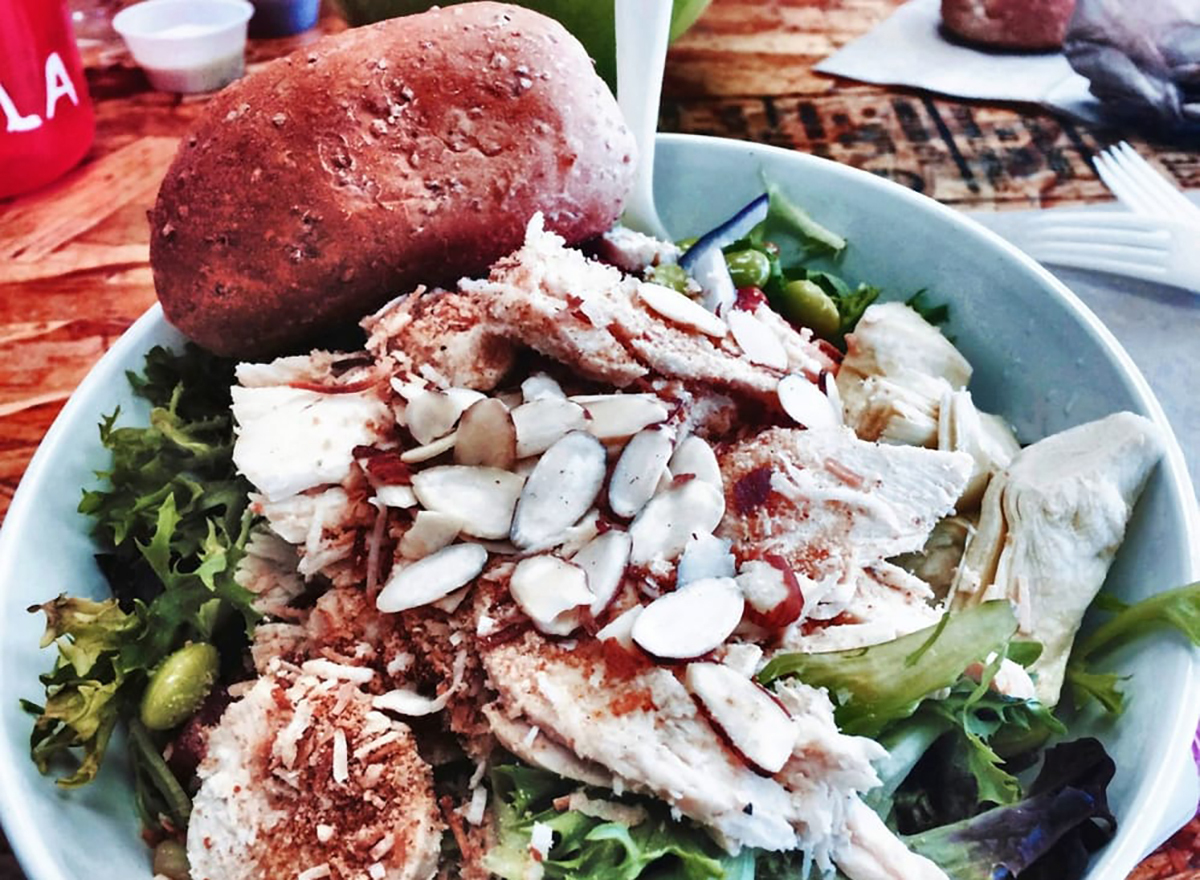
(413, 151)
(1009, 24)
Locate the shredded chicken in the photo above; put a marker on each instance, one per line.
(557, 301)
(647, 732)
(831, 504)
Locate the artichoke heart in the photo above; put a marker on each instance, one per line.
(1050, 526)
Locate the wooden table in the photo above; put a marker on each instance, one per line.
(73, 258)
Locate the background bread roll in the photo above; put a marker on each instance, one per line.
(1009, 24)
(411, 151)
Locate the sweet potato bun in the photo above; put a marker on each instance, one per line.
(1009, 24)
(410, 151)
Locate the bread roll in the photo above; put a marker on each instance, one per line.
(1009, 24)
(410, 151)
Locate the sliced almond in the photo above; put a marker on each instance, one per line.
(560, 490)
(540, 423)
(510, 399)
(757, 341)
(676, 307)
(774, 599)
(665, 480)
(481, 498)
(486, 436)
(671, 518)
(450, 603)
(540, 386)
(620, 629)
(755, 725)
(616, 416)
(525, 466)
(579, 535)
(805, 403)
(603, 560)
(500, 548)
(432, 578)
(407, 386)
(552, 591)
(828, 384)
(429, 533)
(396, 496)
(430, 450)
(694, 456)
(704, 556)
(690, 622)
(433, 414)
(636, 475)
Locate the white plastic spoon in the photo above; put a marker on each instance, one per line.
(643, 30)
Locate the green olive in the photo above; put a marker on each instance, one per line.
(670, 275)
(748, 268)
(171, 860)
(179, 686)
(805, 303)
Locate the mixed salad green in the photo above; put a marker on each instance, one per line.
(173, 519)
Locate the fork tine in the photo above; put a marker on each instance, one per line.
(1153, 181)
(1083, 261)
(1122, 220)
(1150, 242)
(1145, 182)
(1116, 179)
(1116, 253)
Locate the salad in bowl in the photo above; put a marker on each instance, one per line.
(701, 593)
(760, 554)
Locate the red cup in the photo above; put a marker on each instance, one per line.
(46, 118)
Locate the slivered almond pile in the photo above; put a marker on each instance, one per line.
(576, 490)
(537, 468)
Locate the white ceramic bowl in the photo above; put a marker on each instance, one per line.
(184, 45)
(1041, 358)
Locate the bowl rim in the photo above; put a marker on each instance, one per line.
(1145, 817)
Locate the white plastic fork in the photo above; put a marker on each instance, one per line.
(1141, 188)
(642, 30)
(1164, 251)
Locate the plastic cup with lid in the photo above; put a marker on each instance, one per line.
(185, 46)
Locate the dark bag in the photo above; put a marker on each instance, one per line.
(1142, 57)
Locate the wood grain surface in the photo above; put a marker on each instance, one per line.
(74, 270)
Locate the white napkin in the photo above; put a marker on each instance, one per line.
(908, 49)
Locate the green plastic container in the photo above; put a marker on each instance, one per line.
(589, 20)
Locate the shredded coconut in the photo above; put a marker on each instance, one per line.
(376, 744)
(328, 669)
(341, 759)
(383, 846)
(285, 744)
(475, 809)
(402, 662)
